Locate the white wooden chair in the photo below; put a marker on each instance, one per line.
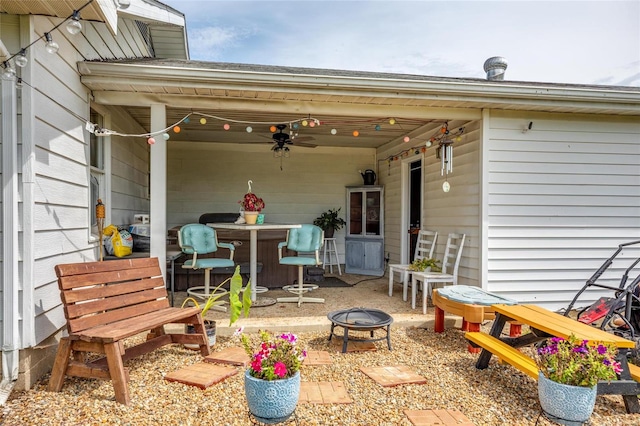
(450, 263)
(425, 246)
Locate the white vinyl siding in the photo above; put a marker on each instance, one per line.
(561, 197)
(456, 211)
(60, 109)
(212, 178)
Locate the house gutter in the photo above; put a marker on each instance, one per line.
(358, 85)
(10, 287)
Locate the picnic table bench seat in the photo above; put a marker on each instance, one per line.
(108, 302)
(504, 352)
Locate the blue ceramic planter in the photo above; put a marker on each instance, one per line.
(272, 401)
(573, 404)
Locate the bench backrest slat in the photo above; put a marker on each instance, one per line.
(107, 317)
(98, 293)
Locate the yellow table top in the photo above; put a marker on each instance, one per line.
(559, 325)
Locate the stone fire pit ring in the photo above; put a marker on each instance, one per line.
(360, 319)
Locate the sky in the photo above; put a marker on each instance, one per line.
(579, 42)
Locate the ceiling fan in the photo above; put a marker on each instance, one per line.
(281, 139)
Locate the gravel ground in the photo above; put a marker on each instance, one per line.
(499, 395)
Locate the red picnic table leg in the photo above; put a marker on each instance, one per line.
(439, 321)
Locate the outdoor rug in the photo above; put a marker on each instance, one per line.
(332, 282)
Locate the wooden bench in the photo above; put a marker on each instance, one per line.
(107, 302)
(504, 352)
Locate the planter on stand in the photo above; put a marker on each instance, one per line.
(272, 401)
(565, 404)
(209, 328)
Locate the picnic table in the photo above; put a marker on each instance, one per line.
(544, 324)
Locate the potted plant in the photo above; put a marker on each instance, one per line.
(252, 205)
(236, 305)
(330, 222)
(425, 264)
(272, 380)
(569, 372)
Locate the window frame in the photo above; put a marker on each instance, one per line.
(98, 115)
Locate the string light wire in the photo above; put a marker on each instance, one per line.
(23, 50)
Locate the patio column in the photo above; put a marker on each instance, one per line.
(158, 188)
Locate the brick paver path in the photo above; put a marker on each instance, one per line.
(323, 393)
(202, 374)
(393, 375)
(437, 417)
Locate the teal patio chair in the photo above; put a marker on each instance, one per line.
(307, 239)
(196, 239)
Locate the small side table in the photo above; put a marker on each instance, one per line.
(472, 304)
(331, 249)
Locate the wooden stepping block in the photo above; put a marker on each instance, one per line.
(437, 417)
(232, 356)
(202, 374)
(317, 358)
(354, 345)
(393, 375)
(323, 393)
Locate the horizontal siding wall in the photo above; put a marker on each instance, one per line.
(61, 107)
(212, 178)
(561, 198)
(129, 170)
(456, 211)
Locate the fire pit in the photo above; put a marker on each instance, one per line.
(360, 319)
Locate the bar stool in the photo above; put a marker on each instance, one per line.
(331, 249)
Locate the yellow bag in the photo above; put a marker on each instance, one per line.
(121, 242)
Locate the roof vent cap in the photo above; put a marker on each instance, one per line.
(495, 68)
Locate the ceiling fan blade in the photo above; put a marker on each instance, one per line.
(303, 139)
(304, 145)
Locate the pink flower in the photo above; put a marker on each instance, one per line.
(256, 365)
(280, 369)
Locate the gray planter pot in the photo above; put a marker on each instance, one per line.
(568, 405)
(272, 401)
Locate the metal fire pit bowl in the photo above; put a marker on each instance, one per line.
(360, 319)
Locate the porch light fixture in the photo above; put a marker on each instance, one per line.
(123, 4)
(74, 26)
(51, 46)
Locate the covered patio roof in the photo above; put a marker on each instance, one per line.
(258, 96)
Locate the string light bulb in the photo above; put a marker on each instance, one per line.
(74, 26)
(392, 121)
(9, 72)
(203, 120)
(21, 58)
(51, 46)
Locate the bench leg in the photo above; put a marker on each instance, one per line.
(113, 352)
(439, 321)
(60, 365)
